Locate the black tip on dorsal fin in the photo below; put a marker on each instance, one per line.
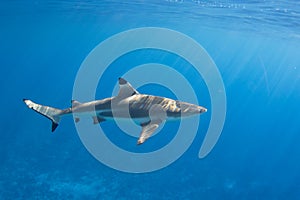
(122, 81)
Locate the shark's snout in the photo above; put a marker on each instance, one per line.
(203, 110)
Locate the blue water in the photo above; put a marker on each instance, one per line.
(255, 45)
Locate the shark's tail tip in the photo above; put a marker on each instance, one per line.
(53, 114)
(54, 126)
(28, 102)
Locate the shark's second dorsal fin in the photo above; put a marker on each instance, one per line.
(75, 103)
(126, 90)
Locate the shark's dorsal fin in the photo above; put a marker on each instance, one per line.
(126, 90)
(75, 103)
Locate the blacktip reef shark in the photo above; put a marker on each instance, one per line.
(147, 110)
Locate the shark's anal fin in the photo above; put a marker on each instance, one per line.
(97, 120)
(148, 129)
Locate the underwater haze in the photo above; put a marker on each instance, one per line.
(254, 44)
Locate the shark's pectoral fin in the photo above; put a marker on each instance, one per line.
(97, 120)
(77, 119)
(147, 130)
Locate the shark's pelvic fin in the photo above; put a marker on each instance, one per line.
(51, 113)
(97, 120)
(126, 90)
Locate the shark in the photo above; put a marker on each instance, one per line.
(148, 111)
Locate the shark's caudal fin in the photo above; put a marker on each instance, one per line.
(51, 113)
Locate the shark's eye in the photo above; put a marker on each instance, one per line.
(178, 104)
